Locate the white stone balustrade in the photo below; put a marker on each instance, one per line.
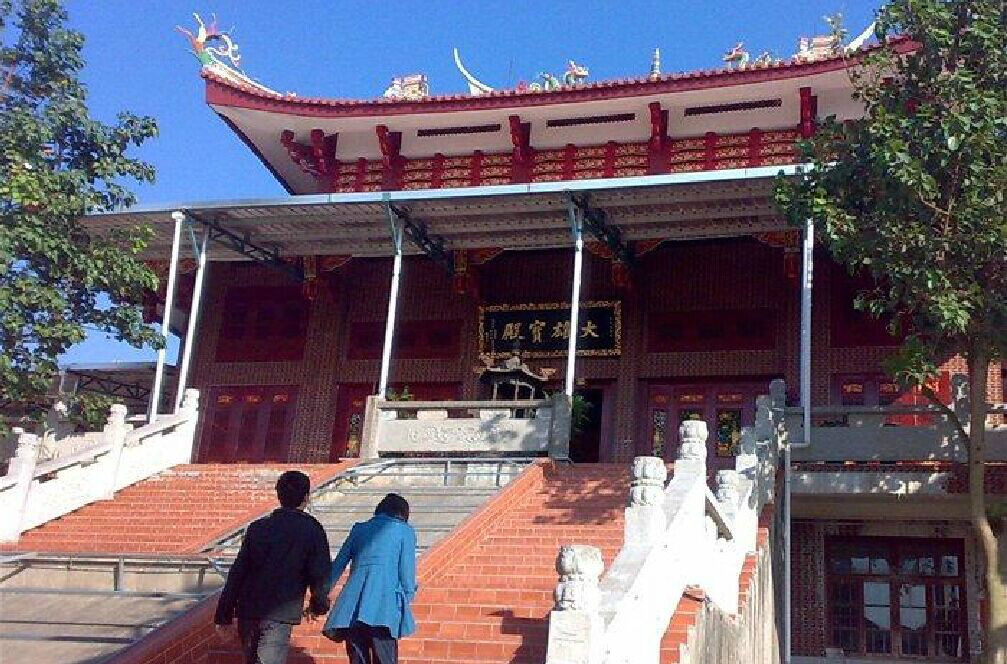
(35, 492)
(464, 427)
(677, 534)
(865, 433)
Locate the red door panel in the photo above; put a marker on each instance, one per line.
(249, 424)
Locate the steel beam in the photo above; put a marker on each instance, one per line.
(416, 231)
(111, 387)
(243, 245)
(595, 220)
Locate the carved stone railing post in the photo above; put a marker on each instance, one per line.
(576, 628)
(115, 436)
(190, 408)
(645, 519)
(22, 469)
(55, 427)
(727, 492)
(693, 434)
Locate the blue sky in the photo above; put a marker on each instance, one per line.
(136, 60)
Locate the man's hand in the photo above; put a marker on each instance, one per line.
(227, 633)
(310, 615)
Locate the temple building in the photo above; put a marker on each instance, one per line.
(580, 270)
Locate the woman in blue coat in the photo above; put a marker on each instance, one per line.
(372, 611)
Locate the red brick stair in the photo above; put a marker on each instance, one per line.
(486, 590)
(177, 511)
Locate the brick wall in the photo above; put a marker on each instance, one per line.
(731, 274)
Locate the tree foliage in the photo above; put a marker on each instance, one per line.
(915, 191)
(57, 163)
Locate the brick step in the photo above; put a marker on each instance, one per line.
(516, 579)
(504, 542)
(491, 593)
(519, 561)
(481, 613)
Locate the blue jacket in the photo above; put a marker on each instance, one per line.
(382, 579)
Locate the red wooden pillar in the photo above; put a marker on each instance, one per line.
(390, 143)
(437, 172)
(569, 160)
(610, 159)
(657, 146)
(754, 147)
(360, 175)
(522, 157)
(710, 155)
(476, 169)
(809, 112)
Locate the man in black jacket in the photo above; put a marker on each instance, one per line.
(281, 556)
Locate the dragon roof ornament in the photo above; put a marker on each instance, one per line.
(574, 75)
(216, 50)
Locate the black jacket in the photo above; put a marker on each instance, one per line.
(281, 556)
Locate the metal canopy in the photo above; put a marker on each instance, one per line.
(674, 206)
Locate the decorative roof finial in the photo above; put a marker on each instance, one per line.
(218, 53)
(737, 56)
(655, 64)
(205, 36)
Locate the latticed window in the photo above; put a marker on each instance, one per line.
(898, 597)
(660, 429)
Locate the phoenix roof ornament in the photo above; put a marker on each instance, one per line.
(216, 51)
(204, 44)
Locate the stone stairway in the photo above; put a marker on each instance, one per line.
(441, 494)
(487, 597)
(488, 532)
(174, 512)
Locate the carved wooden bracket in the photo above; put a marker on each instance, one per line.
(390, 143)
(657, 146)
(523, 155)
(317, 159)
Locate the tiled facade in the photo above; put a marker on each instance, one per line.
(739, 274)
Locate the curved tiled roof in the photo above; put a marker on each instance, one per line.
(623, 87)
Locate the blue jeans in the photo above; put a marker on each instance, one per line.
(371, 645)
(264, 641)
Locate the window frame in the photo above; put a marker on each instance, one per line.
(894, 548)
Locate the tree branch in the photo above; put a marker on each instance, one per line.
(946, 410)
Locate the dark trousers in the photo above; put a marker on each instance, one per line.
(264, 641)
(371, 645)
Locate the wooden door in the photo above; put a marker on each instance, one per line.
(248, 424)
(725, 408)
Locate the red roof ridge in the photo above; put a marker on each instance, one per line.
(791, 66)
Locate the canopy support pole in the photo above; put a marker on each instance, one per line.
(190, 332)
(395, 224)
(169, 298)
(576, 228)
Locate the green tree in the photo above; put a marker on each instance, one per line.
(913, 193)
(57, 164)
